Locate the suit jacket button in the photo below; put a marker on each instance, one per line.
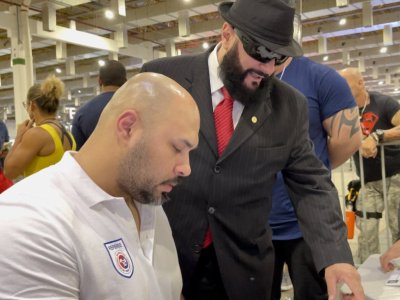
(196, 248)
(217, 169)
(211, 210)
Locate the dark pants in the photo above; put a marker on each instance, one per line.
(206, 283)
(307, 283)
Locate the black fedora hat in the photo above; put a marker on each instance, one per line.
(269, 22)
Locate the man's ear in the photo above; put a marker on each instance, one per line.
(127, 123)
(227, 35)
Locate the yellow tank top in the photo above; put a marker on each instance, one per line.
(41, 162)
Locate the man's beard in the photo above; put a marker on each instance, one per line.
(233, 76)
(135, 177)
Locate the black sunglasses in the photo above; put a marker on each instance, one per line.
(259, 52)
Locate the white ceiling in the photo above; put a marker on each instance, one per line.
(152, 25)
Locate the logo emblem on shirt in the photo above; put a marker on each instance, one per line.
(120, 257)
(368, 121)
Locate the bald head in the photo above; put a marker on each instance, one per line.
(351, 74)
(150, 94)
(356, 84)
(143, 137)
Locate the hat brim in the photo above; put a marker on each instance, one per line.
(293, 49)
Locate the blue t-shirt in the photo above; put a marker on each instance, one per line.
(86, 118)
(327, 94)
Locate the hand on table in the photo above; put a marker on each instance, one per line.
(344, 273)
(388, 256)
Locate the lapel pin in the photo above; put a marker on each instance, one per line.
(254, 119)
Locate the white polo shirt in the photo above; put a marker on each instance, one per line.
(62, 237)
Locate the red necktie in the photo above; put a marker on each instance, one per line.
(224, 130)
(223, 121)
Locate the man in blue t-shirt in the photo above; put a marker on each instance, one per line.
(111, 76)
(334, 129)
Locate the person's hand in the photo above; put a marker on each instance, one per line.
(344, 273)
(368, 147)
(3, 153)
(24, 126)
(392, 253)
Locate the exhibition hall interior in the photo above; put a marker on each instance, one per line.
(71, 37)
(74, 38)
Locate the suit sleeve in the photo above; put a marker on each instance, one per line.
(315, 199)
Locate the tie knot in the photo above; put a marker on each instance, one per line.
(226, 94)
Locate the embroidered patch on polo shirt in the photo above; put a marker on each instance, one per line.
(120, 257)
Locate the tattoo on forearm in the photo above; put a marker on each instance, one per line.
(351, 121)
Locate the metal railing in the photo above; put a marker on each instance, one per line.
(384, 187)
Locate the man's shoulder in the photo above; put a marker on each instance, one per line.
(376, 96)
(98, 102)
(28, 193)
(169, 64)
(283, 89)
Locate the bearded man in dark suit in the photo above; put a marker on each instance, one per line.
(218, 214)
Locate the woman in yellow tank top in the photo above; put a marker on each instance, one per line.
(42, 140)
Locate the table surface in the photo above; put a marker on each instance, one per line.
(374, 279)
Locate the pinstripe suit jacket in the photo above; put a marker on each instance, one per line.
(232, 193)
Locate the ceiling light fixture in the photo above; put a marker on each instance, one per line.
(206, 45)
(58, 71)
(325, 58)
(109, 14)
(342, 21)
(383, 50)
(380, 82)
(101, 62)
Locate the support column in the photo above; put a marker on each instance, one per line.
(367, 14)
(388, 35)
(70, 66)
(184, 23)
(113, 56)
(322, 44)
(21, 58)
(170, 48)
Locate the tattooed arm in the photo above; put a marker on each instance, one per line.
(344, 134)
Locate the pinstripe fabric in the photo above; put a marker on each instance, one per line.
(231, 192)
(224, 130)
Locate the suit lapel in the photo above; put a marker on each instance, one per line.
(201, 92)
(252, 118)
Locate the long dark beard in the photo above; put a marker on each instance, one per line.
(232, 75)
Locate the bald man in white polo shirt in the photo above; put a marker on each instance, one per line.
(91, 227)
